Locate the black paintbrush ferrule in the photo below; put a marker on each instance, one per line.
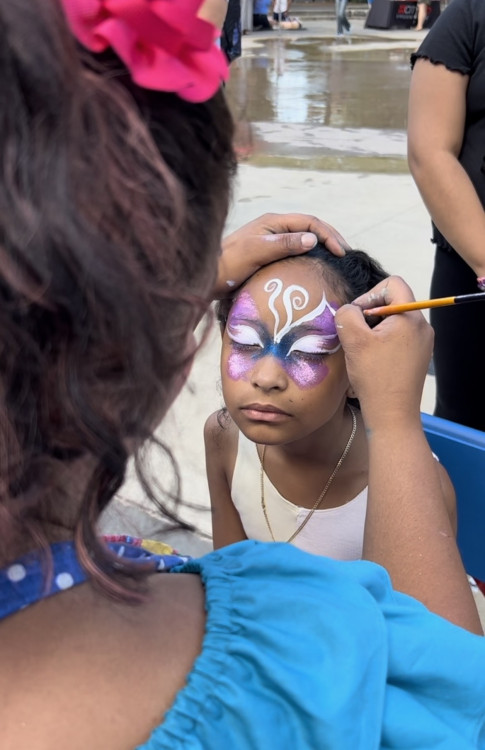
(470, 298)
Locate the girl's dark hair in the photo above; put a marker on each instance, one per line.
(105, 193)
(350, 275)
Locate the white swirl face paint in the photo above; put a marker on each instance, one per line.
(295, 298)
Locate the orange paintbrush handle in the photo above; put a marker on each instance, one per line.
(422, 305)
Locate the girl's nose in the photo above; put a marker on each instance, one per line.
(268, 374)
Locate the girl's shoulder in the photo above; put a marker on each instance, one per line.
(221, 438)
(220, 431)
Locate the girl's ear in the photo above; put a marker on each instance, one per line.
(222, 310)
(350, 393)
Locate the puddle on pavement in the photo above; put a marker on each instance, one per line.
(321, 103)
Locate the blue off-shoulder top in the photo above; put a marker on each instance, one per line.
(306, 653)
(300, 653)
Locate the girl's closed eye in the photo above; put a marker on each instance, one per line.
(244, 336)
(315, 344)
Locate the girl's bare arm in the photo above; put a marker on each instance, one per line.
(219, 449)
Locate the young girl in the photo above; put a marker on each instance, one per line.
(287, 459)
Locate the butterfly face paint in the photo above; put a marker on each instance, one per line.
(299, 345)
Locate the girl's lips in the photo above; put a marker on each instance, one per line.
(264, 413)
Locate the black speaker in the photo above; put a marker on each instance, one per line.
(399, 14)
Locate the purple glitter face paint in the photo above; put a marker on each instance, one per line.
(244, 308)
(325, 322)
(299, 345)
(243, 311)
(307, 374)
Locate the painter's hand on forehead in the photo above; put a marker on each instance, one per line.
(269, 238)
(289, 226)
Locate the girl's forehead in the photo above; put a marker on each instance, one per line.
(287, 275)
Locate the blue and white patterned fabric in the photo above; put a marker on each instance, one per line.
(37, 575)
(302, 652)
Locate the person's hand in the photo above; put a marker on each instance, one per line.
(269, 238)
(386, 364)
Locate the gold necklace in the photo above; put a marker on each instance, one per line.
(322, 493)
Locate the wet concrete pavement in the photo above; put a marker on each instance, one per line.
(308, 100)
(320, 129)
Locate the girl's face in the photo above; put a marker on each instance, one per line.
(283, 370)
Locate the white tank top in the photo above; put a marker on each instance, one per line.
(333, 532)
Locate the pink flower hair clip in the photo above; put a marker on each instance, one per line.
(163, 43)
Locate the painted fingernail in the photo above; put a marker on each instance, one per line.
(308, 241)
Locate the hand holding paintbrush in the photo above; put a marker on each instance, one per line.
(385, 310)
(394, 352)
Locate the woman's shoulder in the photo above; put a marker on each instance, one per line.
(111, 669)
(457, 38)
(289, 636)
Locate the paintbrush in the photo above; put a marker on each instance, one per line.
(424, 304)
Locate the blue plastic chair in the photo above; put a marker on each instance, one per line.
(461, 450)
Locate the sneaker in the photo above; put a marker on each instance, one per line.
(348, 31)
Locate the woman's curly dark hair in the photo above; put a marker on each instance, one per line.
(105, 193)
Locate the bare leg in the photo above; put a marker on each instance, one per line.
(422, 12)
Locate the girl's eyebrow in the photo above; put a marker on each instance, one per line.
(310, 327)
(292, 336)
(234, 317)
(235, 320)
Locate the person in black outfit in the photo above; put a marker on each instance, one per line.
(231, 31)
(446, 146)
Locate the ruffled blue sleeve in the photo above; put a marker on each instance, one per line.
(306, 653)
